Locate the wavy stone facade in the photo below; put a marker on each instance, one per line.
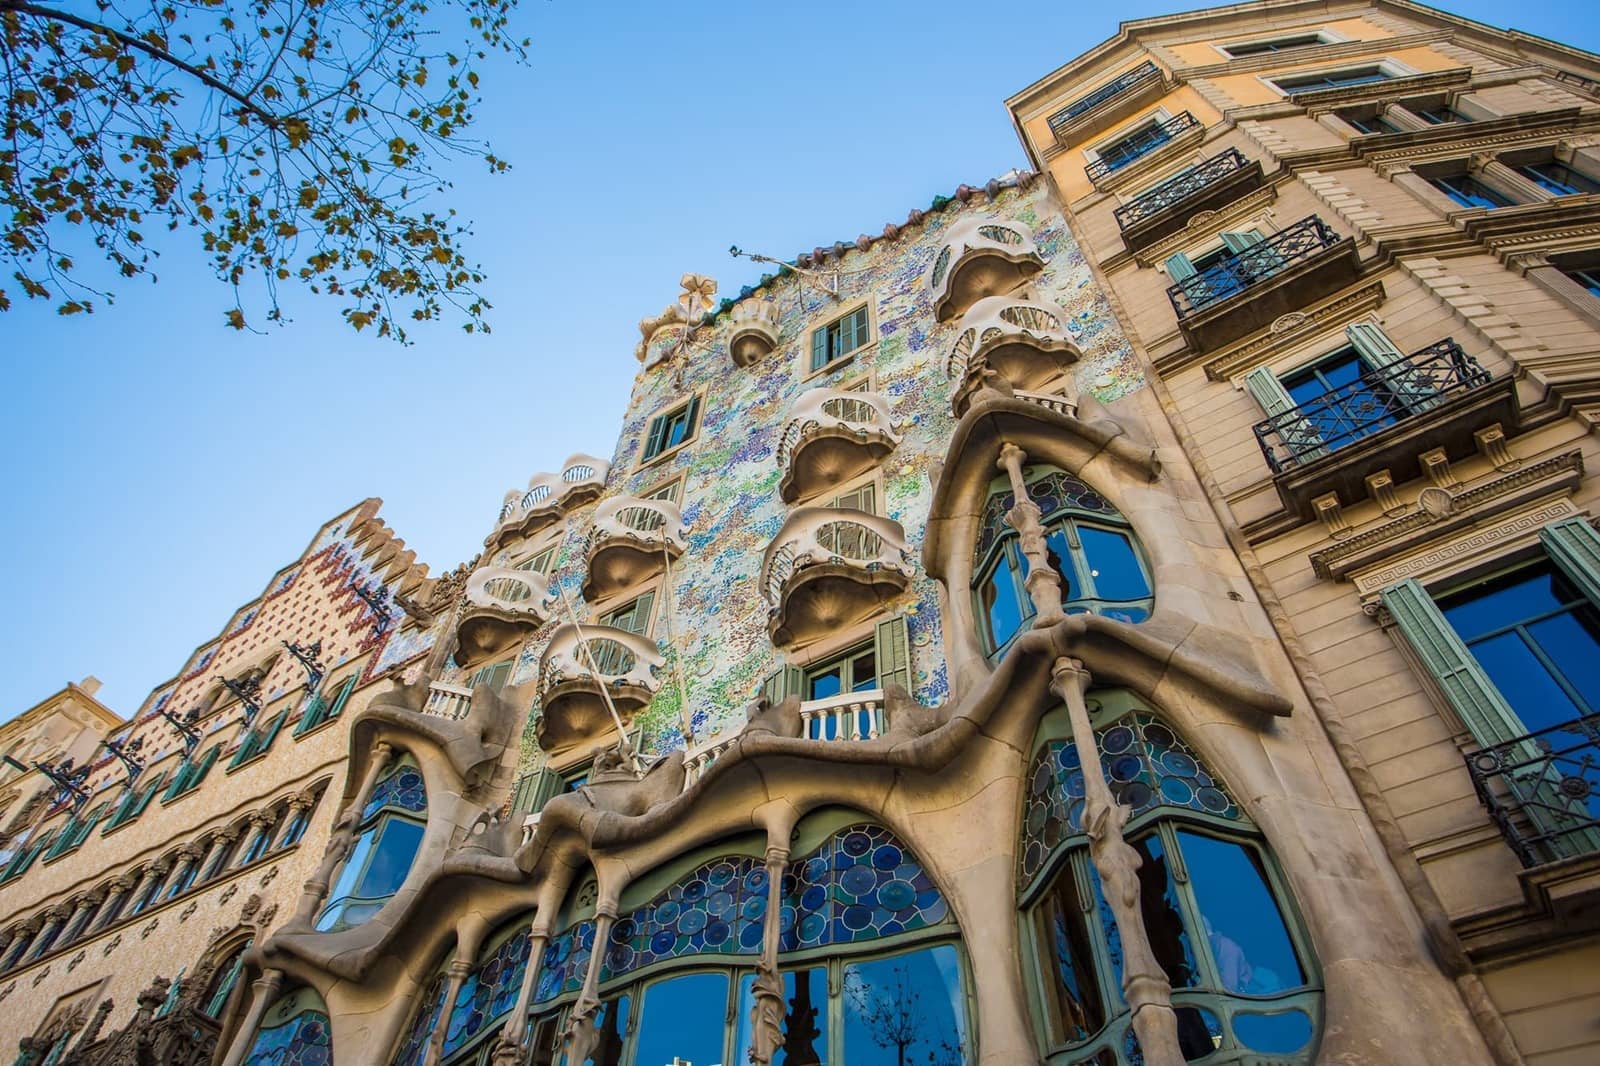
(908, 685)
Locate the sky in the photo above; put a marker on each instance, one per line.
(163, 466)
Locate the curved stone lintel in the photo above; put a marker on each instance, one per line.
(471, 745)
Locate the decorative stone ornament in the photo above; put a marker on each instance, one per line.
(980, 257)
(754, 330)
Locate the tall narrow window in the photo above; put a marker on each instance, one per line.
(390, 832)
(1091, 549)
(673, 429)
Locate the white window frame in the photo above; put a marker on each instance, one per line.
(1391, 69)
(1322, 33)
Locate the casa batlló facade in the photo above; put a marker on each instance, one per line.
(1137, 610)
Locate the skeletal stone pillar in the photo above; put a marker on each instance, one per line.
(1042, 582)
(1144, 986)
(767, 1013)
(510, 1049)
(344, 836)
(263, 991)
(582, 1035)
(456, 973)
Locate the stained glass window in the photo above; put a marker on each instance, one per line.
(401, 787)
(716, 910)
(1147, 766)
(860, 884)
(566, 960)
(489, 992)
(294, 1033)
(1057, 491)
(415, 1046)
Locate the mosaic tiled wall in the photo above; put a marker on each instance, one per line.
(730, 497)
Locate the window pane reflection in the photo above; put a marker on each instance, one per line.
(1074, 995)
(1158, 900)
(1113, 567)
(683, 1018)
(805, 1021)
(1243, 927)
(904, 1009)
(392, 860)
(1000, 602)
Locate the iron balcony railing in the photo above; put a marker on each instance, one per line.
(1180, 188)
(1139, 75)
(1543, 790)
(1258, 263)
(1379, 398)
(1137, 145)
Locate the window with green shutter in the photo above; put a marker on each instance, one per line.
(673, 429)
(190, 773)
(633, 616)
(840, 337)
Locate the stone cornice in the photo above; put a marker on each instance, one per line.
(1289, 331)
(1467, 508)
(1318, 101)
(1394, 152)
(1201, 225)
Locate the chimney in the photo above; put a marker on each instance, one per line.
(89, 685)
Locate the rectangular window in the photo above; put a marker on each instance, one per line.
(1333, 79)
(633, 616)
(668, 492)
(1558, 178)
(673, 429)
(1139, 143)
(854, 671)
(537, 563)
(1468, 191)
(1342, 399)
(1374, 123)
(839, 338)
(864, 498)
(1440, 115)
(494, 675)
(1275, 44)
(1588, 277)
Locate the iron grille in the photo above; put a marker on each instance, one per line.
(1139, 75)
(1255, 264)
(1543, 790)
(1137, 145)
(1181, 187)
(1379, 398)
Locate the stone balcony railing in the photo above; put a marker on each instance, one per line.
(829, 568)
(1023, 343)
(631, 539)
(831, 436)
(698, 759)
(548, 497)
(1207, 186)
(980, 258)
(448, 701)
(847, 716)
(582, 667)
(500, 607)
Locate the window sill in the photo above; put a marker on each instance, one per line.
(313, 731)
(662, 456)
(842, 361)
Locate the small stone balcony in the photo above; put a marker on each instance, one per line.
(580, 668)
(847, 716)
(631, 539)
(500, 608)
(980, 258)
(1168, 207)
(828, 569)
(754, 331)
(1023, 343)
(1286, 272)
(547, 498)
(1103, 106)
(831, 436)
(448, 701)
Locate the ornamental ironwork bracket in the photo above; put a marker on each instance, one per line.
(310, 658)
(377, 602)
(127, 753)
(246, 692)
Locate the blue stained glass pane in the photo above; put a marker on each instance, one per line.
(905, 1008)
(1144, 762)
(300, 1040)
(402, 788)
(1280, 1034)
(1243, 927)
(489, 992)
(415, 1045)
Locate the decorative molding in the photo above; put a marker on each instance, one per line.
(1328, 509)
(1290, 331)
(1492, 443)
(1444, 147)
(1204, 224)
(1436, 464)
(1376, 46)
(1320, 101)
(1558, 475)
(1483, 543)
(1380, 486)
(112, 945)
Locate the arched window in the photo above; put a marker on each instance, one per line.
(223, 982)
(1213, 904)
(871, 964)
(1091, 547)
(294, 1032)
(389, 833)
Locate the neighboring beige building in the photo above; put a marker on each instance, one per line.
(59, 733)
(1070, 626)
(1357, 247)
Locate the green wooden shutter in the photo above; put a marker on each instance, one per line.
(819, 348)
(892, 648)
(1180, 267)
(1574, 546)
(344, 694)
(311, 717)
(1415, 390)
(693, 419)
(782, 683)
(1239, 242)
(536, 789)
(272, 730)
(854, 335)
(658, 434)
(1482, 708)
(1297, 433)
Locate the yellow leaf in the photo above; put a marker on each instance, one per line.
(236, 318)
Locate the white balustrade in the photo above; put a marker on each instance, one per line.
(1059, 404)
(448, 701)
(847, 716)
(864, 415)
(547, 495)
(643, 521)
(814, 535)
(517, 593)
(699, 758)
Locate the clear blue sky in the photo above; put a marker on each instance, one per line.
(162, 466)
